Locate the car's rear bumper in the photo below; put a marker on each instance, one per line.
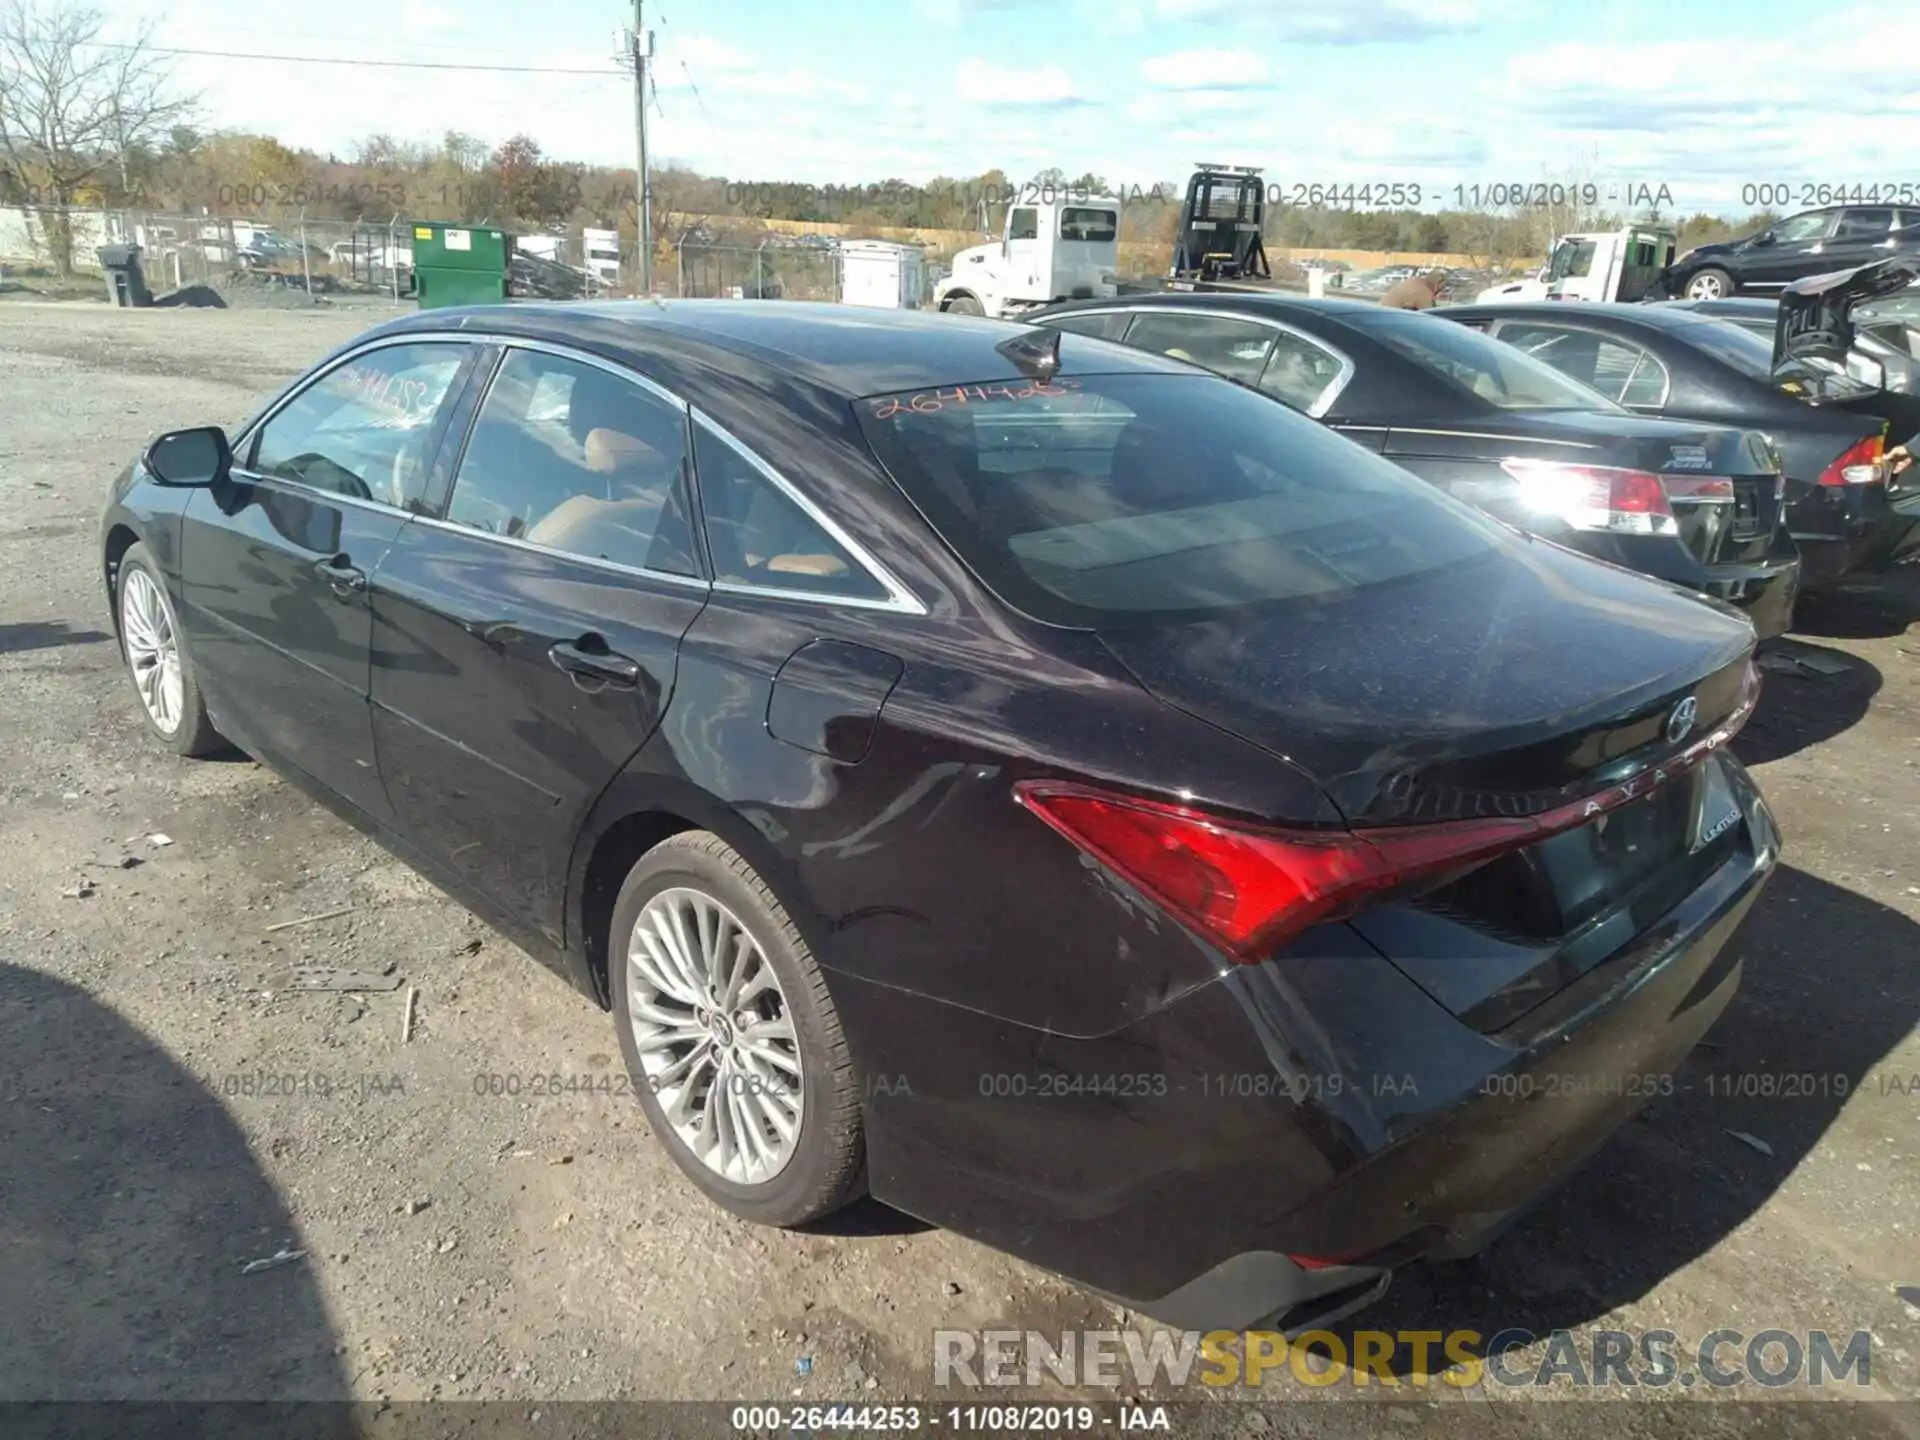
(1844, 529)
(1763, 590)
(1281, 1138)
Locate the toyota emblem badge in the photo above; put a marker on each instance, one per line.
(1680, 722)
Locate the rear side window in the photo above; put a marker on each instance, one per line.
(571, 457)
(759, 535)
(1502, 375)
(1864, 225)
(1620, 371)
(1105, 500)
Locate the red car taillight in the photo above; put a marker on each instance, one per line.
(1596, 497)
(1857, 465)
(1250, 889)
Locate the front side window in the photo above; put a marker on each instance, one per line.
(1798, 229)
(759, 535)
(364, 429)
(569, 456)
(1572, 260)
(1237, 349)
(1502, 375)
(1023, 223)
(1110, 500)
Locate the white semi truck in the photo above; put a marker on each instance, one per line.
(1051, 248)
(1600, 265)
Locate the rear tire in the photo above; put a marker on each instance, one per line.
(158, 663)
(965, 305)
(763, 1144)
(1711, 283)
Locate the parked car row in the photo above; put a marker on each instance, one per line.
(1651, 436)
(1013, 771)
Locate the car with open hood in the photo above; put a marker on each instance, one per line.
(1812, 392)
(1040, 784)
(1695, 503)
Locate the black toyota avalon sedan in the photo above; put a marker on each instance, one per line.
(1055, 790)
(1693, 503)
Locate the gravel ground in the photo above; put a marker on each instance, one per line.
(466, 1244)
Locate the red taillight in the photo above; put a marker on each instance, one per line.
(1858, 465)
(1595, 497)
(1250, 889)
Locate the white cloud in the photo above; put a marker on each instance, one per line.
(985, 83)
(1205, 70)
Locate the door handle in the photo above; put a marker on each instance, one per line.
(589, 657)
(346, 578)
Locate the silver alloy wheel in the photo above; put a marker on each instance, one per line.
(715, 1036)
(153, 649)
(1704, 287)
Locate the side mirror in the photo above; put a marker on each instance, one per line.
(1765, 237)
(190, 457)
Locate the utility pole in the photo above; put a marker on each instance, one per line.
(640, 47)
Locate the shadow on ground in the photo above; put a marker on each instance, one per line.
(129, 1203)
(45, 635)
(1802, 706)
(1866, 607)
(1829, 989)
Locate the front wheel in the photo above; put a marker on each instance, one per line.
(1710, 284)
(157, 660)
(730, 1038)
(965, 305)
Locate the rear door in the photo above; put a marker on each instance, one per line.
(526, 642)
(1862, 235)
(276, 561)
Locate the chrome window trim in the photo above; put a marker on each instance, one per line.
(583, 357)
(244, 444)
(1500, 322)
(1319, 408)
(900, 600)
(692, 582)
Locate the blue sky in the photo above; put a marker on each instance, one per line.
(1437, 93)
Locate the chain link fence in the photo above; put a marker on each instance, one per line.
(806, 268)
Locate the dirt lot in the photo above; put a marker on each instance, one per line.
(476, 1245)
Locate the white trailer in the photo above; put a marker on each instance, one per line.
(881, 274)
(1053, 248)
(1602, 265)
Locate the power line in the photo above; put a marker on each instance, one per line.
(383, 64)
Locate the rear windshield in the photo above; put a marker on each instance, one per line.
(1491, 370)
(1095, 225)
(1105, 500)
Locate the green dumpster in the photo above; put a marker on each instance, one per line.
(455, 264)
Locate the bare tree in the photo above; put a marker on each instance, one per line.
(73, 108)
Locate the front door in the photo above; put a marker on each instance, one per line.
(277, 558)
(526, 644)
(1798, 248)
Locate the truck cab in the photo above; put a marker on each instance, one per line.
(1052, 247)
(1601, 266)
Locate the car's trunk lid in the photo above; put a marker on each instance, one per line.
(1507, 688)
